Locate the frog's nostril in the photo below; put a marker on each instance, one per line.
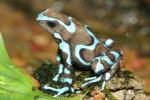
(39, 17)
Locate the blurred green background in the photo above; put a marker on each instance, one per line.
(125, 21)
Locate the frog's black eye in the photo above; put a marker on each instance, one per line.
(51, 24)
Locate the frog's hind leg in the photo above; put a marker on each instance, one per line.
(106, 77)
(104, 68)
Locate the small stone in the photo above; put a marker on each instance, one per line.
(124, 95)
(136, 83)
(141, 96)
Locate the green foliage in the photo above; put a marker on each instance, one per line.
(16, 85)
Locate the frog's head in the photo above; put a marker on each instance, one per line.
(57, 23)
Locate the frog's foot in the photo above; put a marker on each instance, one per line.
(95, 79)
(61, 91)
(91, 80)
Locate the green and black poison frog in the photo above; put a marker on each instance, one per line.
(79, 47)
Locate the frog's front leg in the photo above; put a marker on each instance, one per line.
(67, 77)
(67, 82)
(60, 66)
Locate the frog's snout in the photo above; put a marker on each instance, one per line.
(38, 18)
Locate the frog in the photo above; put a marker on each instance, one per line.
(79, 48)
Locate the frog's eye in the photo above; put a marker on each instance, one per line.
(51, 24)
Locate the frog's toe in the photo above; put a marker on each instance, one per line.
(103, 85)
(67, 89)
(61, 91)
(46, 87)
(55, 78)
(92, 80)
(78, 91)
(75, 90)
